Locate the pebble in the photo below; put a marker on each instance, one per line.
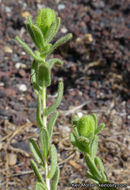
(22, 87)
(25, 14)
(64, 30)
(12, 159)
(80, 114)
(7, 49)
(18, 65)
(61, 6)
(8, 9)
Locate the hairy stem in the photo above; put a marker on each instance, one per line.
(45, 124)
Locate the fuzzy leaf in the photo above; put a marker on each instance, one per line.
(51, 124)
(55, 179)
(96, 120)
(57, 44)
(40, 186)
(36, 152)
(35, 34)
(93, 169)
(58, 100)
(44, 140)
(36, 171)
(30, 52)
(53, 30)
(101, 167)
(53, 61)
(44, 75)
(92, 177)
(38, 114)
(93, 147)
(53, 162)
(99, 128)
(75, 120)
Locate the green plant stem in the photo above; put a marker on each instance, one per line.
(45, 124)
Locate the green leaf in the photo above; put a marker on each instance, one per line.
(56, 61)
(53, 30)
(51, 124)
(92, 177)
(44, 75)
(34, 76)
(36, 152)
(58, 100)
(57, 44)
(99, 128)
(93, 169)
(55, 179)
(40, 186)
(35, 34)
(30, 52)
(75, 120)
(101, 167)
(44, 140)
(38, 113)
(53, 162)
(96, 120)
(93, 147)
(36, 171)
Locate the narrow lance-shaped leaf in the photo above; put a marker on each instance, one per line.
(58, 100)
(96, 120)
(34, 75)
(53, 162)
(36, 171)
(36, 152)
(51, 124)
(38, 114)
(55, 179)
(30, 52)
(101, 167)
(44, 140)
(93, 147)
(99, 128)
(53, 30)
(35, 34)
(92, 177)
(40, 186)
(44, 75)
(93, 169)
(57, 43)
(53, 61)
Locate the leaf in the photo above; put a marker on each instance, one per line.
(36, 171)
(75, 120)
(57, 44)
(99, 128)
(38, 113)
(96, 120)
(101, 167)
(56, 61)
(40, 186)
(93, 147)
(44, 140)
(55, 179)
(53, 162)
(36, 152)
(53, 30)
(92, 177)
(58, 100)
(34, 76)
(93, 169)
(35, 34)
(44, 75)
(51, 124)
(30, 52)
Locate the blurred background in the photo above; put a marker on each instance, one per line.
(96, 78)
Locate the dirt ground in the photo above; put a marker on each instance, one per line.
(96, 78)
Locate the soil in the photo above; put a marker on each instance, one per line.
(96, 77)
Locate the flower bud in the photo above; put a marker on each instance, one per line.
(45, 18)
(86, 126)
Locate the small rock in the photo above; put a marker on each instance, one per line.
(64, 30)
(25, 14)
(7, 49)
(80, 114)
(61, 6)
(18, 65)
(22, 87)
(88, 37)
(8, 9)
(12, 159)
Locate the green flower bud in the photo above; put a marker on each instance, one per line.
(45, 18)
(86, 126)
